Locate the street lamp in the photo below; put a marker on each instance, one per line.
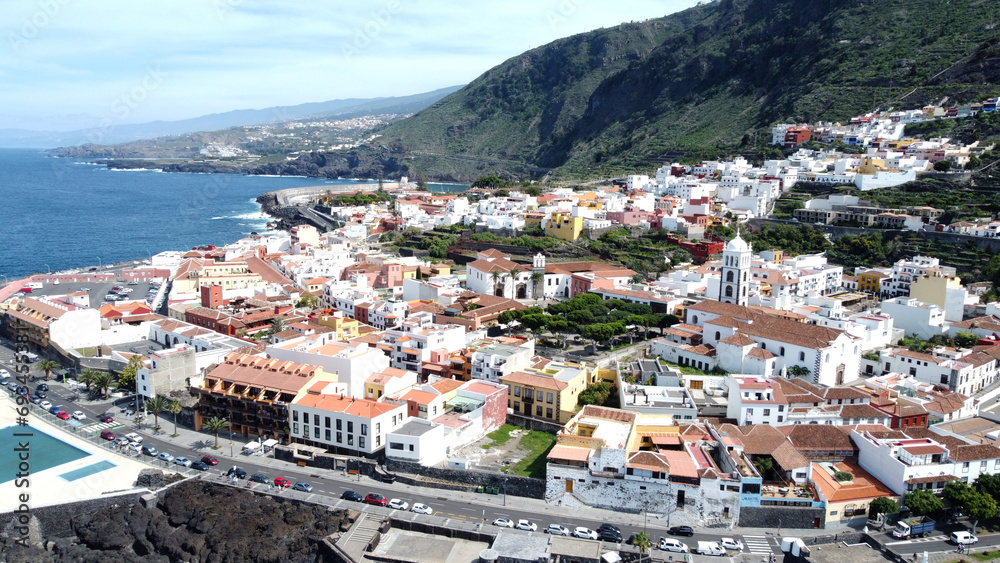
(505, 490)
(48, 270)
(230, 433)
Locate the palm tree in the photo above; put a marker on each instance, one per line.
(642, 543)
(102, 382)
(156, 405)
(496, 275)
(175, 408)
(512, 274)
(277, 325)
(87, 377)
(48, 366)
(536, 280)
(214, 425)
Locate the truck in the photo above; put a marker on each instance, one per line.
(710, 548)
(909, 527)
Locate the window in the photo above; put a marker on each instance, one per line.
(781, 351)
(717, 335)
(350, 439)
(327, 436)
(340, 437)
(763, 345)
(295, 428)
(327, 425)
(548, 414)
(538, 411)
(411, 447)
(315, 419)
(378, 428)
(350, 426)
(538, 395)
(395, 446)
(729, 291)
(965, 467)
(339, 424)
(780, 418)
(517, 391)
(982, 465)
(364, 429)
(944, 378)
(517, 406)
(749, 412)
(767, 412)
(305, 431)
(548, 398)
(316, 432)
(295, 416)
(361, 441)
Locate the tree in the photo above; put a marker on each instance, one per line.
(156, 405)
(490, 182)
(957, 492)
(277, 325)
(642, 543)
(48, 366)
(965, 339)
(988, 485)
(102, 382)
(126, 379)
(308, 301)
(763, 464)
(175, 408)
(422, 182)
(496, 275)
(942, 165)
(215, 425)
(882, 505)
(537, 278)
(637, 278)
(595, 394)
(87, 377)
(922, 501)
(980, 506)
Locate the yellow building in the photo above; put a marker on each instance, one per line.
(871, 281)
(935, 289)
(562, 226)
(550, 391)
(533, 220)
(316, 284)
(194, 274)
(344, 327)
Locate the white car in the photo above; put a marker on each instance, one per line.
(45, 405)
(4, 373)
(182, 461)
(134, 438)
(421, 508)
(585, 533)
(398, 504)
(79, 415)
(557, 530)
(731, 545)
(670, 544)
(504, 522)
(526, 525)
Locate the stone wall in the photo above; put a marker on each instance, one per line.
(769, 516)
(56, 521)
(533, 423)
(515, 485)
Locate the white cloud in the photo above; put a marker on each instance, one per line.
(75, 58)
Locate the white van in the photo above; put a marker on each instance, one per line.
(964, 538)
(710, 548)
(670, 544)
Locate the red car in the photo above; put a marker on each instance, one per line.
(282, 482)
(375, 498)
(26, 290)
(107, 435)
(210, 460)
(63, 415)
(106, 418)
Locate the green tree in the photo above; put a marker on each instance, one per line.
(87, 377)
(966, 339)
(156, 405)
(989, 485)
(642, 543)
(957, 492)
(277, 325)
(882, 505)
(47, 366)
(763, 464)
(103, 382)
(126, 379)
(174, 408)
(595, 394)
(922, 501)
(215, 425)
(980, 506)
(422, 182)
(307, 301)
(942, 165)
(496, 275)
(537, 278)
(491, 182)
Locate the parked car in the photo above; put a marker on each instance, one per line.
(681, 531)
(526, 525)
(45, 405)
(375, 498)
(149, 450)
(421, 508)
(210, 460)
(35, 399)
(107, 435)
(353, 496)
(164, 456)
(182, 461)
(304, 487)
(122, 442)
(63, 415)
(398, 504)
(607, 526)
(41, 394)
(42, 387)
(558, 530)
(79, 415)
(670, 544)
(106, 418)
(239, 473)
(200, 466)
(133, 437)
(585, 533)
(282, 482)
(609, 535)
(504, 522)
(730, 544)
(55, 408)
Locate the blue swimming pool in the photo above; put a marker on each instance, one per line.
(44, 451)
(88, 470)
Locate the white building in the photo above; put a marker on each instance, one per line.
(963, 371)
(342, 423)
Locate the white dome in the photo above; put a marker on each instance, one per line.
(738, 245)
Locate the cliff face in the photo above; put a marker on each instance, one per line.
(195, 521)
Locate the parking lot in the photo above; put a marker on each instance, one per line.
(96, 290)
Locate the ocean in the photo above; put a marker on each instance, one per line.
(65, 213)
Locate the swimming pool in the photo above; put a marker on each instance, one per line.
(44, 451)
(88, 470)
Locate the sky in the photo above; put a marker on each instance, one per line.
(69, 64)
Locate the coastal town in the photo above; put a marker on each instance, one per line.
(470, 343)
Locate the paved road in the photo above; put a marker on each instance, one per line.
(330, 485)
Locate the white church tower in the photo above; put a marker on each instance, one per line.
(538, 265)
(735, 273)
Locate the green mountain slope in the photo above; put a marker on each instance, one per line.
(708, 80)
